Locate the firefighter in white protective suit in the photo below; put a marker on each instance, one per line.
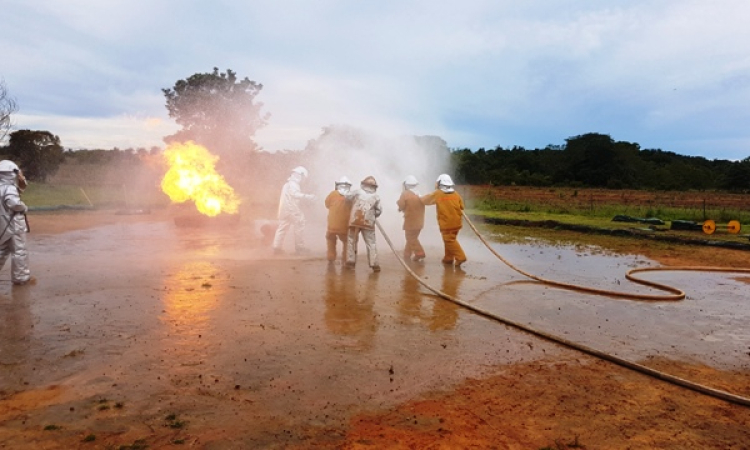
(13, 210)
(290, 213)
(365, 209)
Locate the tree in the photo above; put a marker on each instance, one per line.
(7, 107)
(38, 153)
(217, 111)
(738, 176)
(589, 159)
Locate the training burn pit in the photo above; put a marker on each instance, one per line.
(192, 177)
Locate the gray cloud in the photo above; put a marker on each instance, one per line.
(671, 74)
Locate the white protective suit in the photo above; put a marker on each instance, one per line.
(13, 223)
(290, 214)
(365, 209)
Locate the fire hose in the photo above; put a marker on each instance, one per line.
(677, 295)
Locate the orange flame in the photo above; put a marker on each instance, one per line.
(192, 176)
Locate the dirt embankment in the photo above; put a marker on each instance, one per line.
(586, 198)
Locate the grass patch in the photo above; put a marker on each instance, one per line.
(601, 203)
(173, 422)
(560, 445)
(607, 211)
(48, 195)
(138, 444)
(608, 224)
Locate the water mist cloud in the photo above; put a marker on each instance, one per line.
(357, 154)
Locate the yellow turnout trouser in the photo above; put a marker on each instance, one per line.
(453, 250)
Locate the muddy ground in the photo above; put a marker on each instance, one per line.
(143, 334)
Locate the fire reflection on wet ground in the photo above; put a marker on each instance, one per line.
(191, 295)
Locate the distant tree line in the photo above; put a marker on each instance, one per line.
(39, 154)
(107, 156)
(596, 160)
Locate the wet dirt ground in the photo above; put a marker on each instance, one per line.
(143, 334)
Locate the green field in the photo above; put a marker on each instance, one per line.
(47, 195)
(596, 208)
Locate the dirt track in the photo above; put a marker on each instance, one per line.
(140, 333)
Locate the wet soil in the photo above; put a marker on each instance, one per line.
(143, 334)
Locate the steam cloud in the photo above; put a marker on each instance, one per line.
(358, 154)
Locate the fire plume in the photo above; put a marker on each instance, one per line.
(192, 176)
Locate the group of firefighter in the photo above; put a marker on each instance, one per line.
(352, 212)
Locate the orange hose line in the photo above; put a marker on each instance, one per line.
(678, 295)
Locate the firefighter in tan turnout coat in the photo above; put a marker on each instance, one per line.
(338, 218)
(411, 205)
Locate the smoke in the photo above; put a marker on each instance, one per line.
(356, 154)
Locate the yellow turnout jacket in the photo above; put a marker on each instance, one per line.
(449, 207)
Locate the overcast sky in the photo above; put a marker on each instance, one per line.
(669, 74)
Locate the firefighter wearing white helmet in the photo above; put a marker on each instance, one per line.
(338, 218)
(13, 209)
(301, 171)
(449, 207)
(411, 205)
(290, 214)
(365, 209)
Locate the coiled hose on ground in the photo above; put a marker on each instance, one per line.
(677, 294)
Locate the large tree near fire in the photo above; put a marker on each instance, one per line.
(218, 111)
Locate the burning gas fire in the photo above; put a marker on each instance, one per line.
(192, 176)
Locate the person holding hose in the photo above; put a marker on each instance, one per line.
(411, 205)
(13, 211)
(449, 207)
(290, 213)
(338, 218)
(365, 211)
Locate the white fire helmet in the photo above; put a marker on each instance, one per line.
(11, 167)
(445, 180)
(410, 181)
(301, 171)
(343, 185)
(343, 181)
(8, 166)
